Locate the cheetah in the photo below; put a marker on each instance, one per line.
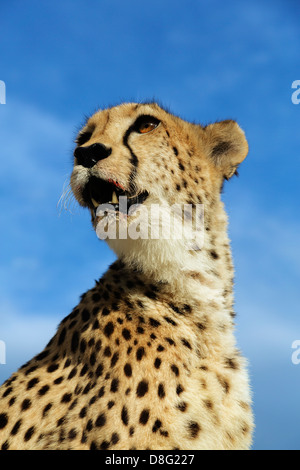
(148, 358)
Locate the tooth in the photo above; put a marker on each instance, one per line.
(114, 198)
(95, 203)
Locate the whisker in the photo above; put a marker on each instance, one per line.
(67, 200)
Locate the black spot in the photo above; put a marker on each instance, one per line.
(109, 329)
(140, 353)
(92, 400)
(126, 334)
(67, 363)
(66, 398)
(186, 343)
(179, 389)
(144, 416)
(124, 415)
(52, 368)
(142, 388)
(29, 433)
(231, 364)
(107, 351)
(161, 391)
(84, 370)
(32, 383)
(16, 428)
(224, 383)
(83, 412)
(75, 341)
(193, 429)
(214, 255)
(89, 425)
(175, 151)
(151, 295)
(175, 308)
(96, 325)
(128, 370)
(12, 401)
(157, 363)
(181, 166)
(26, 404)
(62, 336)
(101, 420)
(170, 341)
(175, 370)
(115, 438)
(3, 420)
(92, 359)
(114, 385)
(96, 297)
(182, 406)
(32, 369)
(87, 388)
(157, 425)
(114, 359)
(154, 322)
(169, 320)
(85, 315)
(209, 404)
(42, 355)
(5, 445)
(43, 390)
(105, 312)
(104, 445)
(46, 409)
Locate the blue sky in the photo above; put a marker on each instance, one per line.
(206, 61)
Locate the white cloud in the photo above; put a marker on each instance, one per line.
(35, 150)
(24, 336)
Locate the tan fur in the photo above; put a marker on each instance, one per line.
(147, 360)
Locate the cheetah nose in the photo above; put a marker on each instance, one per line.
(89, 156)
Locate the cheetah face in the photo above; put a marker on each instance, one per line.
(136, 155)
(118, 159)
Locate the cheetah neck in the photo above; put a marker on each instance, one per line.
(182, 274)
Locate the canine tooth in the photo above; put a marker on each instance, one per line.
(114, 198)
(95, 203)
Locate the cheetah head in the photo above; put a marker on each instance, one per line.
(139, 155)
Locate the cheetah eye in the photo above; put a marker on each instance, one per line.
(145, 124)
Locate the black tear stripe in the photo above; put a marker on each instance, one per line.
(134, 160)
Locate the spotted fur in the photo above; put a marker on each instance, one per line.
(147, 359)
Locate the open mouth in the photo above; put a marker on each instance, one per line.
(98, 192)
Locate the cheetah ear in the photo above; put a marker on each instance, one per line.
(227, 146)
